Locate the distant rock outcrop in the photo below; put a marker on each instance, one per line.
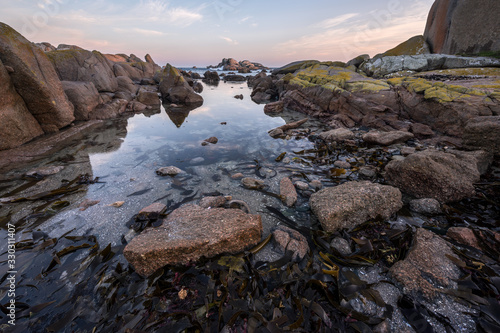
(463, 26)
(230, 64)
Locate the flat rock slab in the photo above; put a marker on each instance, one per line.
(387, 138)
(353, 203)
(427, 268)
(192, 232)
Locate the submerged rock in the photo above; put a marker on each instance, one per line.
(288, 192)
(151, 212)
(252, 183)
(353, 203)
(192, 232)
(168, 171)
(434, 174)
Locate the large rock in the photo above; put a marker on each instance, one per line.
(17, 124)
(86, 66)
(109, 110)
(435, 174)
(413, 46)
(175, 89)
(483, 133)
(148, 97)
(126, 84)
(353, 203)
(294, 66)
(463, 26)
(427, 267)
(35, 80)
(192, 232)
(387, 138)
(84, 97)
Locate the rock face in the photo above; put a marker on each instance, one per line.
(463, 26)
(482, 133)
(190, 233)
(427, 261)
(84, 97)
(17, 124)
(353, 203)
(434, 174)
(175, 89)
(413, 46)
(86, 66)
(35, 80)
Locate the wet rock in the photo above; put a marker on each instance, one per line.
(342, 164)
(288, 192)
(234, 78)
(427, 206)
(341, 245)
(88, 203)
(211, 77)
(252, 183)
(192, 232)
(387, 138)
(316, 184)
(168, 171)
(302, 186)
(213, 202)
(288, 239)
(45, 171)
(198, 87)
(264, 89)
(36, 81)
(275, 133)
(151, 212)
(463, 236)
(434, 174)
(238, 175)
(240, 96)
(482, 133)
(368, 171)
(175, 89)
(148, 97)
(353, 203)
(418, 274)
(340, 134)
(274, 107)
(197, 160)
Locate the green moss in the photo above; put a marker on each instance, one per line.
(367, 86)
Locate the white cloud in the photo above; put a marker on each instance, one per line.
(335, 21)
(229, 40)
(149, 32)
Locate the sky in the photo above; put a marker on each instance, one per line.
(202, 32)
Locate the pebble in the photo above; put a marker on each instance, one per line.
(342, 164)
(302, 186)
(316, 184)
(341, 245)
(168, 171)
(238, 175)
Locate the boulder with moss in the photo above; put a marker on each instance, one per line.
(175, 89)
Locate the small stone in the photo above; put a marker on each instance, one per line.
(341, 245)
(316, 184)
(117, 204)
(405, 151)
(427, 206)
(212, 140)
(252, 183)
(212, 202)
(276, 132)
(302, 186)
(367, 171)
(88, 203)
(238, 175)
(288, 239)
(168, 171)
(342, 164)
(224, 123)
(463, 236)
(239, 96)
(288, 192)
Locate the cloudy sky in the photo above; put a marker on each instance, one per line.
(202, 32)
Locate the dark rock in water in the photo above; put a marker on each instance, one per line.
(212, 140)
(465, 26)
(192, 232)
(426, 206)
(84, 97)
(198, 87)
(264, 89)
(434, 174)
(288, 192)
(427, 267)
(109, 110)
(288, 239)
(353, 203)
(234, 78)
(151, 212)
(175, 89)
(387, 138)
(483, 133)
(240, 96)
(36, 81)
(211, 77)
(135, 106)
